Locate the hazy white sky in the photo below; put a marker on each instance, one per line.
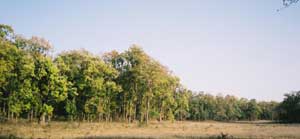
(240, 47)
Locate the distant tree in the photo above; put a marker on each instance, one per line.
(253, 110)
(127, 86)
(182, 103)
(6, 32)
(93, 89)
(202, 107)
(287, 3)
(268, 110)
(233, 110)
(48, 87)
(289, 109)
(8, 61)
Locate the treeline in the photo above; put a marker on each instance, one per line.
(229, 108)
(289, 108)
(78, 85)
(127, 86)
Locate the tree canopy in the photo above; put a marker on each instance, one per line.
(116, 86)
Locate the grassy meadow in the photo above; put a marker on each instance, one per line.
(175, 69)
(185, 129)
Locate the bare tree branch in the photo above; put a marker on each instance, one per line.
(287, 3)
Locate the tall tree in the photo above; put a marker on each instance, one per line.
(289, 108)
(93, 81)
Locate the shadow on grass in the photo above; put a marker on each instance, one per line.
(9, 137)
(136, 137)
(221, 136)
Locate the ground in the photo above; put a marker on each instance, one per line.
(178, 129)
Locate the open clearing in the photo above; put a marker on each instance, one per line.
(177, 129)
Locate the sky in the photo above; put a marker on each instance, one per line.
(239, 47)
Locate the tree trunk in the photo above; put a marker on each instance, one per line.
(12, 116)
(106, 117)
(160, 111)
(8, 115)
(129, 117)
(147, 110)
(28, 116)
(31, 115)
(83, 117)
(160, 117)
(180, 113)
(134, 114)
(48, 118)
(42, 120)
(99, 117)
(35, 114)
(124, 108)
(16, 120)
(4, 111)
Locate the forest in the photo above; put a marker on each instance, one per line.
(128, 86)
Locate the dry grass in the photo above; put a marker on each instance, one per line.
(184, 129)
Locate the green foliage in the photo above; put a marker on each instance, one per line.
(47, 109)
(149, 90)
(127, 86)
(92, 89)
(228, 108)
(6, 32)
(268, 110)
(289, 109)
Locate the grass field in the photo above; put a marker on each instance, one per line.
(186, 129)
